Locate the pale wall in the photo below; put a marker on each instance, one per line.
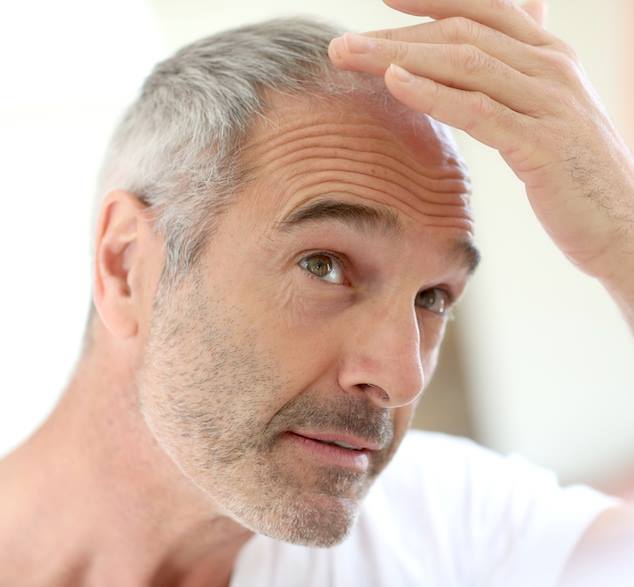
(549, 361)
(68, 69)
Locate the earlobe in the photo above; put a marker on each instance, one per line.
(119, 264)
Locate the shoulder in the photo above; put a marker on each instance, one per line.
(604, 554)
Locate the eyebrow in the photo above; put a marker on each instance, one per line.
(367, 219)
(359, 216)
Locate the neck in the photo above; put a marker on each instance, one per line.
(91, 499)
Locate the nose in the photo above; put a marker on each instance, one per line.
(383, 357)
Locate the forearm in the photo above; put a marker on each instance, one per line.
(618, 275)
(614, 265)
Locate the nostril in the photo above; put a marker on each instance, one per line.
(378, 391)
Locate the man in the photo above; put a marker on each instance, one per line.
(278, 245)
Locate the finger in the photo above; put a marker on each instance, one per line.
(457, 66)
(537, 10)
(460, 30)
(487, 121)
(502, 15)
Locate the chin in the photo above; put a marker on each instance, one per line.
(320, 521)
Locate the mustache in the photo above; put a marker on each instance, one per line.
(352, 415)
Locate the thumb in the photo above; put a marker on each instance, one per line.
(537, 9)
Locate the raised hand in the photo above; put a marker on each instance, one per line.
(488, 67)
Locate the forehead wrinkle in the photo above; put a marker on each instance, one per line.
(452, 183)
(323, 180)
(308, 130)
(434, 191)
(336, 134)
(278, 146)
(276, 134)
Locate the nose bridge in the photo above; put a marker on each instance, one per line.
(386, 353)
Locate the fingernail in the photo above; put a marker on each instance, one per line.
(545, 13)
(402, 75)
(336, 47)
(359, 43)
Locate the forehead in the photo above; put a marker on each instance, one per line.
(362, 151)
(418, 139)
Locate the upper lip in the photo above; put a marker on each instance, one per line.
(356, 441)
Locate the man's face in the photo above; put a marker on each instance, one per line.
(310, 319)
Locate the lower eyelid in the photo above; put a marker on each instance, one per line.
(450, 298)
(336, 258)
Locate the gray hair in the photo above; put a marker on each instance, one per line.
(178, 146)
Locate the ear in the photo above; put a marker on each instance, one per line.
(124, 244)
(537, 9)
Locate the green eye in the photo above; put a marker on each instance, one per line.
(327, 267)
(324, 267)
(435, 300)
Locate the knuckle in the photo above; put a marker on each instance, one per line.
(435, 92)
(501, 5)
(460, 29)
(469, 59)
(481, 109)
(399, 51)
(434, 101)
(561, 66)
(565, 49)
(387, 35)
(481, 105)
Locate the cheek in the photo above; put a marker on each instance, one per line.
(294, 318)
(402, 420)
(430, 361)
(432, 336)
(304, 353)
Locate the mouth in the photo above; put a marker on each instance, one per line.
(342, 439)
(333, 449)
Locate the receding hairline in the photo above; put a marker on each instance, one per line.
(186, 158)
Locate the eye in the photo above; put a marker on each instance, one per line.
(323, 266)
(434, 299)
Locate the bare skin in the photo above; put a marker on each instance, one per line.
(170, 446)
(489, 68)
(94, 501)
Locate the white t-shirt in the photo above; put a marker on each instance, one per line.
(445, 512)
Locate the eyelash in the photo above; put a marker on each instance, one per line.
(335, 256)
(450, 296)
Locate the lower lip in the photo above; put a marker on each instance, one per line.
(331, 454)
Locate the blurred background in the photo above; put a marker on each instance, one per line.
(538, 360)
